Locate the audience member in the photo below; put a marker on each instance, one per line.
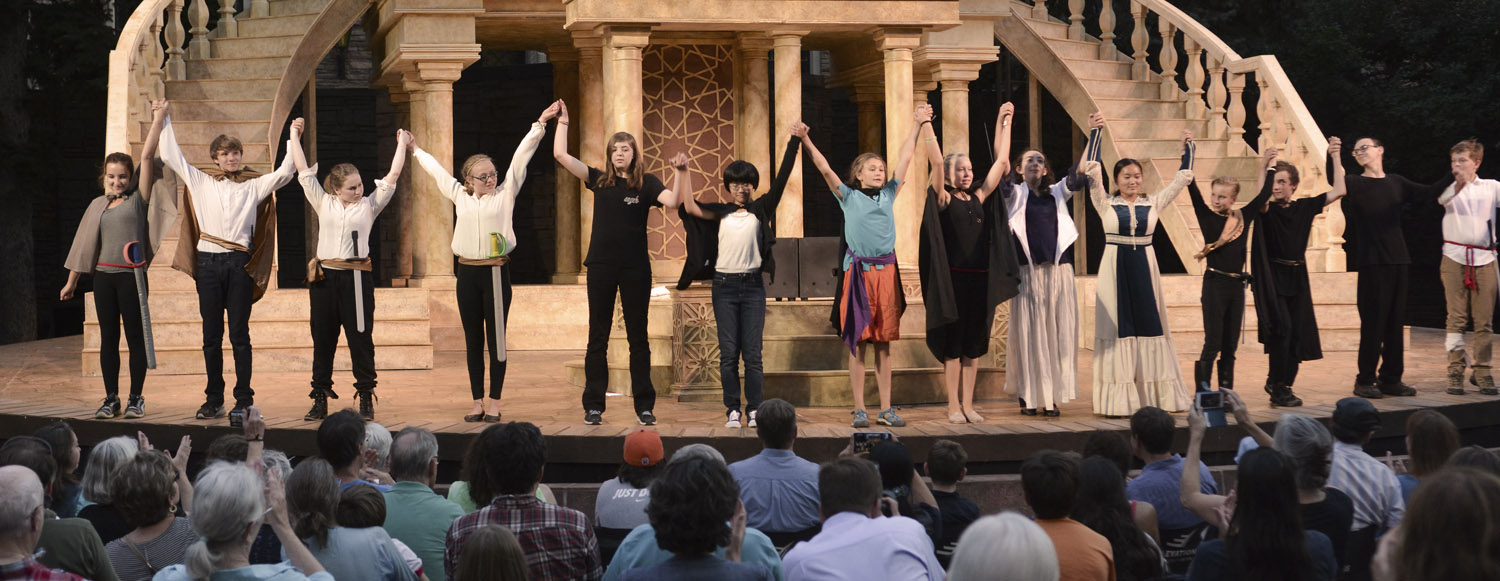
(229, 448)
(1004, 547)
(780, 489)
(1159, 484)
(146, 490)
(695, 508)
(946, 467)
(378, 444)
(1430, 439)
(475, 491)
(1309, 447)
(104, 459)
(414, 514)
(494, 555)
(1050, 482)
(1114, 447)
(899, 480)
(341, 441)
(557, 541)
(1448, 532)
(1369, 483)
(363, 507)
(66, 500)
(1475, 457)
(70, 544)
(312, 494)
(266, 549)
(857, 542)
(22, 512)
(1101, 506)
(621, 503)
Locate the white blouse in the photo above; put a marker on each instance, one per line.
(478, 216)
(336, 220)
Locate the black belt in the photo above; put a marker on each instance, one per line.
(1239, 276)
(1285, 262)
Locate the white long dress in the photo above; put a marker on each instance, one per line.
(1135, 364)
(1042, 362)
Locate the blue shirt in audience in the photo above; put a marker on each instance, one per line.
(705, 568)
(1160, 484)
(639, 550)
(281, 572)
(779, 489)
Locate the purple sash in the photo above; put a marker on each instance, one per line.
(857, 312)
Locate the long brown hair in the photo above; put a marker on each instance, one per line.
(492, 553)
(336, 177)
(1433, 439)
(116, 157)
(1448, 531)
(636, 172)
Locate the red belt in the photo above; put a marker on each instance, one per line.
(1470, 282)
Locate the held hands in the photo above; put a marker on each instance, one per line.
(1092, 169)
(1268, 157)
(679, 162)
(1007, 111)
(1096, 120)
(551, 111)
(800, 129)
(922, 114)
(405, 140)
(158, 109)
(1187, 137)
(1335, 147)
(298, 125)
(562, 112)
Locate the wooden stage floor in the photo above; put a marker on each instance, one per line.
(42, 382)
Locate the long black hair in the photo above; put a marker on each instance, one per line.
(1265, 539)
(1101, 506)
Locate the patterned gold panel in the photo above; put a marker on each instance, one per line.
(1000, 335)
(695, 341)
(688, 91)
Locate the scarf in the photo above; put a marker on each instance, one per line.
(1233, 228)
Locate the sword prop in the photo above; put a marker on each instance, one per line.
(135, 257)
(359, 290)
(497, 281)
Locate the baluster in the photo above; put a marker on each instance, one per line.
(1263, 113)
(228, 26)
(1194, 77)
(142, 76)
(154, 61)
(1216, 126)
(1138, 42)
(1107, 49)
(1075, 17)
(176, 68)
(198, 16)
(1237, 145)
(1039, 10)
(260, 8)
(1167, 60)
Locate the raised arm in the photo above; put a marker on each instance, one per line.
(449, 187)
(1192, 495)
(1002, 152)
(1093, 173)
(385, 188)
(515, 175)
(1183, 178)
(682, 182)
(171, 156)
(934, 165)
(148, 150)
(801, 131)
(922, 116)
(772, 199)
(294, 146)
(1336, 145)
(560, 145)
(1267, 180)
(307, 176)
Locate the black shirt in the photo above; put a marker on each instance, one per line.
(1373, 206)
(1285, 229)
(107, 521)
(958, 513)
(1229, 257)
(1332, 516)
(965, 235)
(618, 237)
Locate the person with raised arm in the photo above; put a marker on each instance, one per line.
(731, 243)
(872, 301)
(967, 262)
(341, 288)
(1468, 265)
(617, 262)
(116, 241)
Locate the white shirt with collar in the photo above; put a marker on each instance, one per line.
(855, 547)
(1468, 218)
(336, 220)
(224, 208)
(478, 216)
(1370, 484)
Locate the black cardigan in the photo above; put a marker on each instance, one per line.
(703, 235)
(1003, 274)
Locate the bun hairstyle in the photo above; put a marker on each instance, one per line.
(312, 499)
(636, 172)
(468, 169)
(337, 176)
(859, 163)
(227, 500)
(113, 158)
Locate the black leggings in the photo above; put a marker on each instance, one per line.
(476, 309)
(117, 303)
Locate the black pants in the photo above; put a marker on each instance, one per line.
(118, 304)
(634, 285)
(225, 286)
(476, 309)
(331, 303)
(1223, 315)
(1283, 351)
(1382, 312)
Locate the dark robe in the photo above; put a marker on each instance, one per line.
(1288, 227)
(1003, 272)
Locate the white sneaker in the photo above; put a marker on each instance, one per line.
(734, 419)
(752, 418)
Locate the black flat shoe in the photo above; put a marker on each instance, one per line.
(479, 417)
(1028, 411)
(489, 419)
(1052, 413)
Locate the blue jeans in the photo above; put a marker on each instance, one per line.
(740, 310)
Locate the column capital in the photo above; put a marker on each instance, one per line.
(752, 42)
(626, 36)
(588, 39)
(950, 71)
(440, 71)
(868, 93)
(788, 37)
(562, 53)
(897, 38)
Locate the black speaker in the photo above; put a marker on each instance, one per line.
(817, 258)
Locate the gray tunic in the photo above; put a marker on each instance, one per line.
(119, 226)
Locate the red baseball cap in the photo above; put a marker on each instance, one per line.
(643, 448)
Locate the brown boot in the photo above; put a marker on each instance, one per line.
(1486, 384)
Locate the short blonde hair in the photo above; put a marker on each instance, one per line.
(1227, 181)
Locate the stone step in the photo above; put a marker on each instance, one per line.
(290, 7)
(1168, 128)
(810, 317)
(185, 110)
(193, 132)
(189, 360)
(223, 89)
(1097, 69)
(619, 378)
(1140, 108)
(826, 388)
(236, 67)
(828, 352)
(288, 333)
(286, 305)
(1118, 89)
(260, 46)
(277, 25)
(1168, 147)
(548, 317)
(1074, 49)
(1048, 29)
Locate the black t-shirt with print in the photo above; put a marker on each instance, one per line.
(619, 233)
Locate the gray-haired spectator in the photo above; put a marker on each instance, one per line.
(378, 442)
(1476, 457)
(1004, 547)
(22, 512)
(100, 510)
(146, 490)
(69, 544)
(1308, 445)
(414, 514)
(312, 493)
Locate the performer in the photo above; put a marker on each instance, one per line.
(1135, 364)
(732, 244)
(966, 261)
(127, 215)
(617, 261)
(1374, 214)
(227, 247)
(1285, 321)
(1468, 268)
(341, 291)
(1224, 277)
(872, 300)
(483, 239)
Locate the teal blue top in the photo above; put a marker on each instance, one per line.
(869, 222)
(639, 550)
(417, 516)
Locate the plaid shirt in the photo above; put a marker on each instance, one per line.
(558, 542)
(32, 570)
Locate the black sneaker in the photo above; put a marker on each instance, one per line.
(210, 411)
(593, 417)
(137, 407)
(646, 418)
(109, 409)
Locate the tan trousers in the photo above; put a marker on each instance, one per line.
(1465, 306)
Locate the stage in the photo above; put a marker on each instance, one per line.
(42, 383)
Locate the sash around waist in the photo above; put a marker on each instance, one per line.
(1123, 240)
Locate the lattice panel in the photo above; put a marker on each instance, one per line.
(695, 346)
(1000, 335)
(688, 91)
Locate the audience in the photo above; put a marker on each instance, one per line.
(1159, 484)
(341, 441)
(266, 549)
(621, 503)
(414, 514)
(1101, 506)
(378, 446)
(1004, 547)
(899, 481)
(1448, 533)
(1431, 438)
(476, 491)
(1309, 447)
(946, 467)
(1369, 483)
(558, 542)
(493, 555)
(1113, 446)
(146, 490)
(70, 544)
(694, 509)
(100, 510)
(363, 507)
(312, 494)
(1050, 481)
(230, 448)
(857, 542)
(779, 489)
(22, 512)
(1476, 457)
(69, 494)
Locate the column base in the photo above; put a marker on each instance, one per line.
(434, 282)
(567, 278)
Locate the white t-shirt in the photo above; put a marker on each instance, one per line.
(1468, 218)
(739, 250)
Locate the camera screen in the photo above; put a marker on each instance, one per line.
(1209, 400)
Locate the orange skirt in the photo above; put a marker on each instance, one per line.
(885, 313)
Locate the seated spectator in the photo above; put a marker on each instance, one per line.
(70, 544)
(945, 465)
(341, 441)
(363, 507)
(691, 509)
(780, 490)
(899, 480)
(22, 512)
(558, 542)
(1448, 532)
(1101, 506)
(1369, 483)
(100, 511)
(378, 445)
(68, 499)
(312, 494)
(414, 514)
(1309, 447)
(857, 541)
(1004, 547)
(1050, 481)
(1114, 447)
(475, 491)
(622, 501)
(494, 555)
(230, 448)
(266, 550)
(229, 505)
(1475, 457)
(1430, 439)
(1159, 484)
(146, 490)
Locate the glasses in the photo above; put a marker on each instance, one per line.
(740, 186)
(485, 177)
(1362, 148)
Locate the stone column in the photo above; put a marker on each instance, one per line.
(587, 110)
(423, 188)
(753, 105)
(897, 45)
(400, 219)
(954, 79)
(433, 253)
(788, 51)
(624, 92)
(869, 99)
(565, 75)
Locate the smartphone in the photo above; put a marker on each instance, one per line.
(1212, 404)
(236, 418)
(863, 441)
